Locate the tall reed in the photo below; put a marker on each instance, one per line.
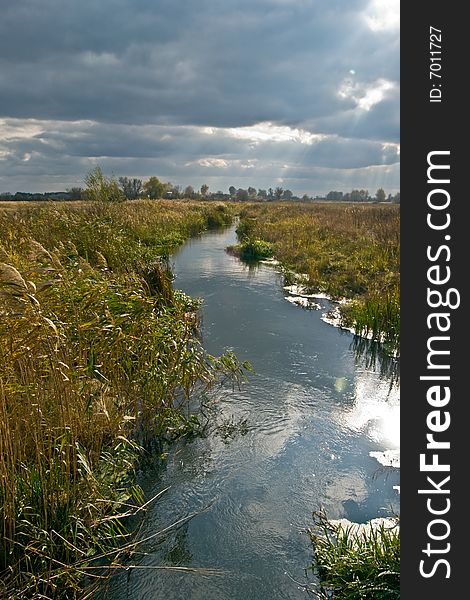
(97, 354)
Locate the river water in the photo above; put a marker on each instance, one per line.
(297, 436)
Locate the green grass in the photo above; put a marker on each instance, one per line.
(348, 251)
(251, 250)
(98, 357)
(355, 566)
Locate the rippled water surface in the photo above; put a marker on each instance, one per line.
(314, 412)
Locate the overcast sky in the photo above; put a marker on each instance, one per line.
(298, 93)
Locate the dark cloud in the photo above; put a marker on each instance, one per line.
(100, 76)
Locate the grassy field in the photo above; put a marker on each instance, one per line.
(98, 355)
(346, 250)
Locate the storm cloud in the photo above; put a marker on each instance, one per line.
(299, 92)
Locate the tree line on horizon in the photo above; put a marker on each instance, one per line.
(99, 186)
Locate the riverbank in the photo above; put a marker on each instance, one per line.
(98, 354)
(347, 251)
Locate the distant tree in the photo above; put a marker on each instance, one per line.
(100, 188)
(305, 198)
(189, 192)
(154, 188)
(132, 188)
(241, 195)
(232, 190)
(29, 196)
(270, 194)
(380, 195)
(263, 194)
(359, 195)
(278, 193)
(287, 195)
(204, 190)
(75, 193)
(396, 198)
(251, 193)
(355, 196)
(334, 195)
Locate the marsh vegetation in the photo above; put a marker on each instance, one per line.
(98, 356)
(346, 250)
(356, 562)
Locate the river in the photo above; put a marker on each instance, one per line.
(296, 436)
